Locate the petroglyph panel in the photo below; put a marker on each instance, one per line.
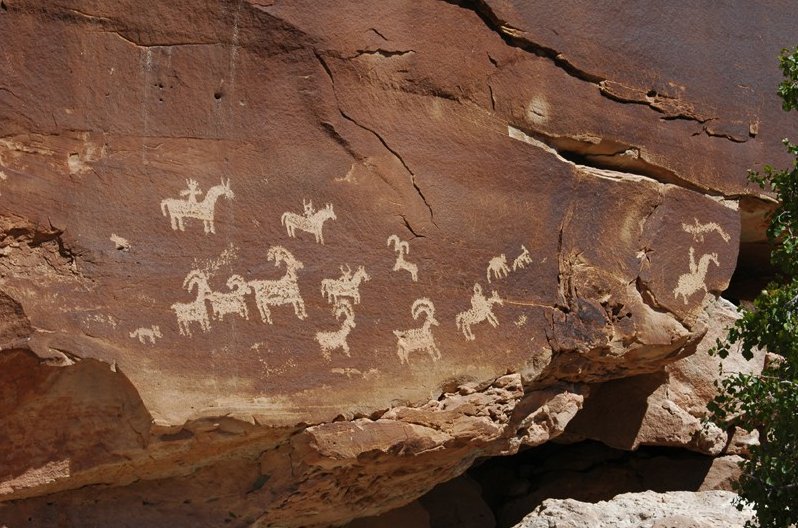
(178, 209)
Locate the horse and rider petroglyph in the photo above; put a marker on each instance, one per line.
(695, 280)
(311, 221)
(522, 260)
(178, 209)
(420, 339)
(498, 267)
(481, 310)
(348, 285)
(281, 291)
(335, 339)
(402, 248)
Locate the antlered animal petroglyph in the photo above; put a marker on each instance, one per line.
(498, 267)
(346, 286)
(330, 341)
(698, 230)
(312, 221)
(178, 209)
(402, 248)
(695, 280)
(232, 302)
(282, 291)
(195, 311)
(147, 334)
(522, 260)
(418, 338)
(481, 310)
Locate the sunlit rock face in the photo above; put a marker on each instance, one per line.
(293, 263)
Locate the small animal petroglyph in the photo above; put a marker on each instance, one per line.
(522, 260)
(178, 209)
(312, 221)
(146, 334)
(194, 311)
(498, 267)
(698, 230)
(481, 310)
(330, 341)
(281, 291)
(521, 321)
(695, 280)
(232, 302)
(346, 286)
(120, 243)
(348, 372)
(402, 248)
(418, 338)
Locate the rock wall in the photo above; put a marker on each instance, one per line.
(293, 263)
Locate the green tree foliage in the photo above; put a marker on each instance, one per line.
(769, 402)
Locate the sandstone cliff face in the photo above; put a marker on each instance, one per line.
(293, 263)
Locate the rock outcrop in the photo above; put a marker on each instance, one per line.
(293, 263)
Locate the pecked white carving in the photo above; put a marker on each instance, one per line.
(178, 209)
(481, 310)
(312, 221)
(330, 341)
(147, 334)
(498, 267)
(522, 260)
(282, 291)
(402, 248)
(232, 302)
(348, 285)
(698, 230)
(194, 311)
(421, 339)
(695, 280)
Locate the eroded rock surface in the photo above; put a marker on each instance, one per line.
(317, 257)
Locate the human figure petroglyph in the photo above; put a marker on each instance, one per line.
(195, 311)
(698, 230)
(695, 280)
(522, 260)
(232, 302)
(402, 248)
(281, 291)
(348, 285)
(312, 221)
(330, 341)
(481, 310)
(147, 334)
(418, 338)
(178, 209)
(498, 267)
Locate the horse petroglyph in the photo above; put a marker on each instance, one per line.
(282, 291)
(402, 248)
(146, 334)
(481, 310)
(346, 286)
(330, 341)
(498, 267)
(418, 338)
(194, 311)
(522, 260)
(698, 230)
(695, 280)
(311, 221)
(232, 302)
(178, 209)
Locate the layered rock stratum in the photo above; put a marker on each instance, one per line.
(291, 263)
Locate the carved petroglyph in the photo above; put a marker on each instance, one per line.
(402, 248)
(282, 291)
(232, 302)
(311, 221)
(352, 372)
(481, 310)
(522, 260)
(695, 280)
(346, 286)
(120, 243)
(195, 311)
(146, 334)
(520, 321)
(178, 209)
(498, 267)
(698, 230)
(418, 338)
(330, 341)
